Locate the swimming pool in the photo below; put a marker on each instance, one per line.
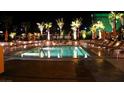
(56, 52)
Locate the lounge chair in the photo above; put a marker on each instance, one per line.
(117, 50)
(110, 44)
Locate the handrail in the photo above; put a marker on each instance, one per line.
(42, 51)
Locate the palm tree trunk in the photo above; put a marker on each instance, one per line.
(48, 35)
(114, 27)
(75, 35)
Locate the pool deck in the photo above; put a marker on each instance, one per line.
(98, 68)
(62, 71)
(16, 70)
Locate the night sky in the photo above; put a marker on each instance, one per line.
(49, 16)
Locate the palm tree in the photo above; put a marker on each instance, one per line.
(121, 17)
(112, 19)
(100, 27)
(12, 35)
(41, 27)
(60, 23)
(74, 32)
(6, 36)
(83, 32)
(93, 30)
(75, 25)
(97, 26)
(48, 25)
(26, 26)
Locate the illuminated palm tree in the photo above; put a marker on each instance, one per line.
(83, 32)
(121, 17)
(112, 19)
(100, 26)
(41, 27)
(93, 30)
(112, 16)
(48, 25)
(60, 23)
(12, 35)
(37, 35)
(30, 35)
(97, 26)
(23, 36)
(74, 32)
(75, 25)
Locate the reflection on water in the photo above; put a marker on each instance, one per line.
(75, 52)
(57, 52)
(99, 53)
(85, 56)
(58, 55)
(48, 53)
(61, 52)
(41, 54)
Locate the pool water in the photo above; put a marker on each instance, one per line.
(56, 52)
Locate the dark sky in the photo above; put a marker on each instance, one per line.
(50, 16)
(33, 16)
